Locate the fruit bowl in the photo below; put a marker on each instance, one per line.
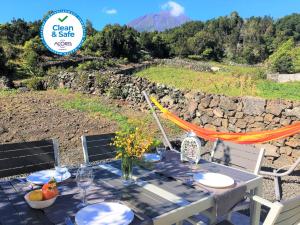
(39, 204)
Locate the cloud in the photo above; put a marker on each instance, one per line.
(174, 8)
(110, 11)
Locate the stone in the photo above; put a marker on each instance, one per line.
(205, 119)
(192, 107)
(204, 102)
(259, 119)
(218, 112)
(286, 150)
(293, 112)
(197, 121)
(215, 68)
(3, 130)
(210, 126)
(217, 122)
(241, 124)
(293, 143)
(285, 122)
(167, 100)
(232, 120)
(189, 95)
(5, 83)
(214, 102)
(270, 150)
(239, 115)
(225, 123)
(198, 114)
(227, 103)
(296, 153)
(254, 106)
(258, 125)
(210, 112)
(239, 106)
(275, 107)
(269, 117)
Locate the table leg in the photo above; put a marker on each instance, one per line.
(255, 207)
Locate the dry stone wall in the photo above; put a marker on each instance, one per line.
(218, 112)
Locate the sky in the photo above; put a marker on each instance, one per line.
(102, 12)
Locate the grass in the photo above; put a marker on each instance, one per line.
(5, 93)
(97, 107)
(273, 90)
(230, 81)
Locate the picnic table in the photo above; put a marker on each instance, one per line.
(157, 197)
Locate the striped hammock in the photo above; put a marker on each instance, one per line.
(253, 137)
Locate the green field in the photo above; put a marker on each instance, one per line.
(230, 81)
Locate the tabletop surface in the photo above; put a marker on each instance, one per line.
(108, 186)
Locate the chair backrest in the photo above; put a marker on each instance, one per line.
(281, 213)
(245, 157)
(98, 147)
(26, 157)
(290, 212)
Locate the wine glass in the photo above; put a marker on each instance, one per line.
(161, 151)
(192, 161)
(84, 179)
(61, 170)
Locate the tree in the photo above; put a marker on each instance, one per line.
(90, 30)
(154, 44)
(33, 50)
(3, 62)
(19, 31)
(287, 27)
(114, 41)
(205, 45)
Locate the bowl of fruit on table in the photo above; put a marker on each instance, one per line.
(42, 198)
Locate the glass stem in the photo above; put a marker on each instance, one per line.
(84, 197)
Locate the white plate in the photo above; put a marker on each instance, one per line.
(105, 213)
(44, 176)
(151, 157)
(214, 180)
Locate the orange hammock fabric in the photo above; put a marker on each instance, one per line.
(240, 138)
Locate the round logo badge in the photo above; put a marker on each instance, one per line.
(63, 32)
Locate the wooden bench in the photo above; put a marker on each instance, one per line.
(27, 157)
(98, 147)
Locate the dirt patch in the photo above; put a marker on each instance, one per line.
(36, 116)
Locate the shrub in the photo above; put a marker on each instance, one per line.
(101, 80)
(195, 57)
(114, 92)
(286, 59)
(35, 83)
(283, 64)
(91, 65)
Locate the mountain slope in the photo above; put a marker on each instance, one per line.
(158, 21)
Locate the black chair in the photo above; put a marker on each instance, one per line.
(98, 147)
(27, 157)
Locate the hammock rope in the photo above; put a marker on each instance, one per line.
(253, 137)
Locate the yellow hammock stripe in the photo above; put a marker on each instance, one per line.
(241, 138)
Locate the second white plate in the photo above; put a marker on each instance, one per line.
(44, 176)
(214, 180)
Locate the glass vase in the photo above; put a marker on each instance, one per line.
(127, 166)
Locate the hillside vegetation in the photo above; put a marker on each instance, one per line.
(230, 80)
(226, 38)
